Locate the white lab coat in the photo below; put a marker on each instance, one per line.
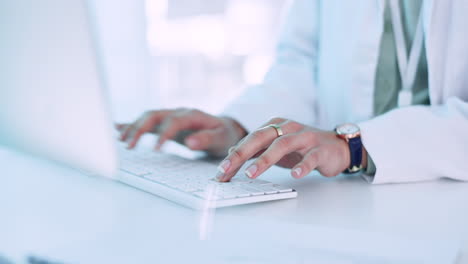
(324, 75)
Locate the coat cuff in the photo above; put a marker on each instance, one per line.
(369, 173)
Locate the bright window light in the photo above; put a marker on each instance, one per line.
(205, 59)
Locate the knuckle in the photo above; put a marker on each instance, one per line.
(139, 130)
(276, 120)
(293, 125)
(173, 120)
(238, 153)
(284, 142)
(168, 124)
(258, 135)
(265, 161)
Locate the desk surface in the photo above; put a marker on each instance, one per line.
(45, 207)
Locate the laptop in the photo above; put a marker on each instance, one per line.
(53, 104)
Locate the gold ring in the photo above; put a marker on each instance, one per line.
(278, 129)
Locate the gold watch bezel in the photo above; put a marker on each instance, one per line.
(346, 136)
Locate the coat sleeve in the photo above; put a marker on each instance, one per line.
(288, 88)
(419, 143)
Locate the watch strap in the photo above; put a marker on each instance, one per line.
(355, 151)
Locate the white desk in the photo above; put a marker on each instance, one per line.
(48, 208)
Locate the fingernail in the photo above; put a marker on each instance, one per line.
(250, 171)
(219, 176)
(297, 172)
(192, 143)
(224, 166)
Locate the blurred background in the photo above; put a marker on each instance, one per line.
(191, 53)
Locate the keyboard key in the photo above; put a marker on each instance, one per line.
(253, 191)
(229, 195)
(268, 189)
(282, 189)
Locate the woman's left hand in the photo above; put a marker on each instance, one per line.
(301, 148)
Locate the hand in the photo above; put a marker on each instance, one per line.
(301, 148)
(193, 128)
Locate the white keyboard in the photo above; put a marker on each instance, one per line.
(191, 182)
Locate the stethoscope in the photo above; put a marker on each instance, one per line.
(407, 66)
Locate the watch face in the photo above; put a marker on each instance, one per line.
(347, 129)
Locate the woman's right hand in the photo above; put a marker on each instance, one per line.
(193, 128)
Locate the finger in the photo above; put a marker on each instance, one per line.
(127, 132)
(252, 144)
(280, 147)
(231, 149)
(220, 176)
(120, 127)
(256, 155)
(309, 163)
(137, 133)
(275, 120)
(177, 122)
(145, 124)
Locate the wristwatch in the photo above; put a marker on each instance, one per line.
(352, 135)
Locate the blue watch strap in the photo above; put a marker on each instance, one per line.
(355, 151)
